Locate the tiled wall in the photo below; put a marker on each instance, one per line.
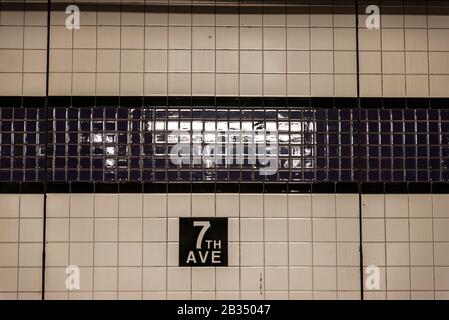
(295, 246)
(246, 50)
(406, 237)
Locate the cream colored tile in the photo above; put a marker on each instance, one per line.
(106, 229)
(203, 279)
(323, 205)
(421, 230)
(10, 204)
(105, 254)
(300, 229)
(275, 229)
(30, 230)
(276, 279)
(251, 229)
(324, 229)
(30, 255)
(227, 205)
(81, 229)
(57, 230)
(299, 205)
(58, 205)
(106, 205)
(105, 279)
(57, 254)
(130, 205)
(81, 254)
(130, 254)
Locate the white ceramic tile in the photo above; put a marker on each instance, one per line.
(251, 205)
(373, 205)
(30, 255)
(32, 206)
(105, 278)
(8, 278)
(324, 278)
(55, 280)
(227, 279)
(81, 205)
(374, 254)
(275, 229)
(81, 229)
(10, 204)
(348, 254)
(373, 230)
(31, 230)
(130, 205)
(324, 254)
(81, 254)
(422, 279)
(348, 278)
(347, 205)
(275, 205)
(155, 229)
(130, 254)
(276, 254)
(233, 229)
(30, 279)
(421, 230)
(300, 279)
(154, 279)
(396, 205)
(9, 254)
(106, 229)
(106, 205)
(299, 205)
(441, 251)
(178, 279)
(397, 229)
(252, 279)
(300, 229)
(442, 278)
(420, 205)
(276, 278)
(440, 205)
(129, 279)
(105, 254)
(179, 205)
(203, 279)
(173, 254)
(252, 254)
(347, 229)
(154, 254)
(324, 229)
(130, 229)
(323, 205)
(421, 254)
(155, 205)
(398, 278)
(9, 230)
(398, 254)
(251, 229)
(203, 205)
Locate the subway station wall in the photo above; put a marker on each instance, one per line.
(281, 246)
(249, 49)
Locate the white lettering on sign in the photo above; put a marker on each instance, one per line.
(205, 225)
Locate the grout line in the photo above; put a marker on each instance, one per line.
(44, 224)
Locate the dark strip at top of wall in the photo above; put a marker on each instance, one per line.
(231, 187)
(433, 7)
(237, 102)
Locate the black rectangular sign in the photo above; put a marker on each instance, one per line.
(203, 242)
